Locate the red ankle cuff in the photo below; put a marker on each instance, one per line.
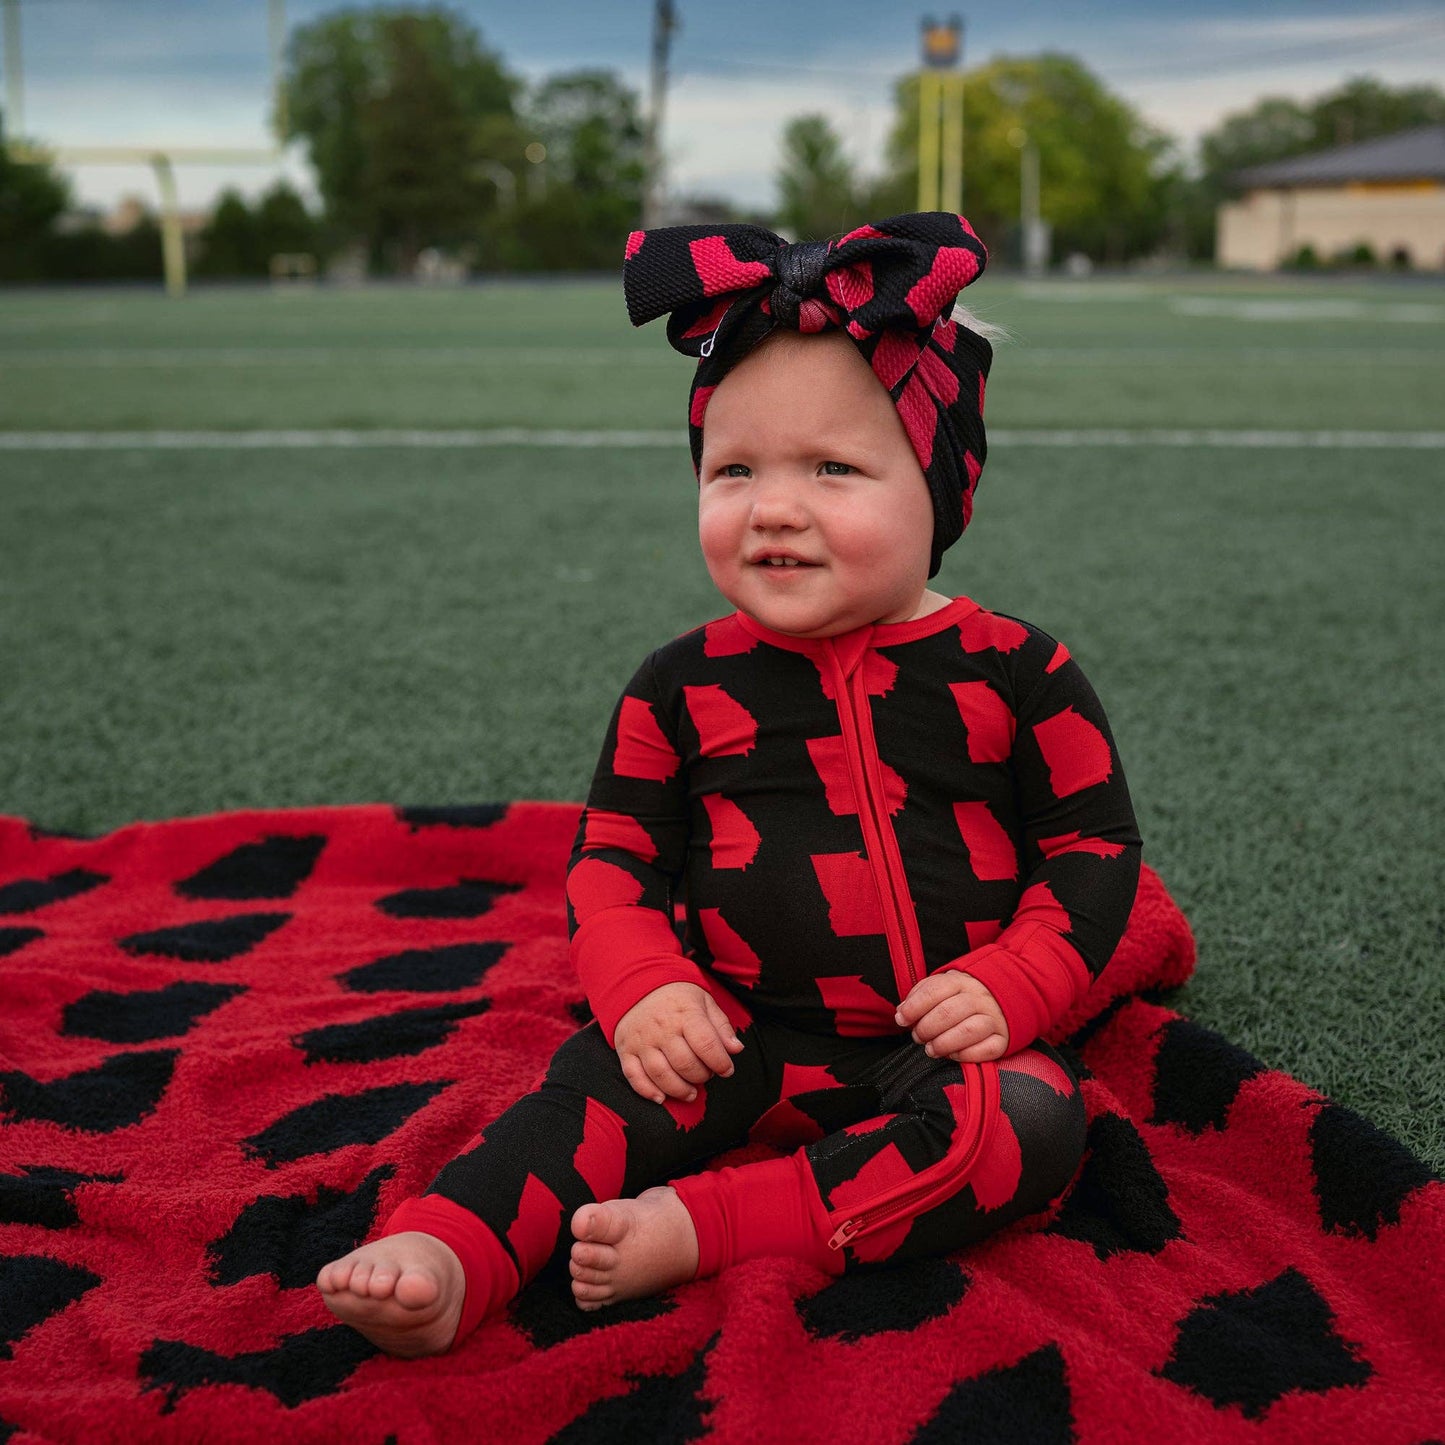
(490, 1274)
(771, 1207)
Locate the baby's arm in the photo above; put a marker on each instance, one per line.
(626, 861)
(1082, 850)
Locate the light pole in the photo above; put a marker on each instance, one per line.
(1033, 234)
(940, 137)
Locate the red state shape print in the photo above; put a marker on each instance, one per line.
(847, 884)
(982, 931)
(734, 839)
(724, 726)
(991, 852)
(726, 638)
(1076, 752)
(1060, 657)
(618, 830)
(883, 1171)
(539, 1221)
(981, 630)
(594, 885)
(643, 750)
(1073, 843)
(994, 1177)
(988, 719)
(1039, 1066)
(601, 1157)
(731, 955)
(858, 1008)
(830, 760)
(1038, 905)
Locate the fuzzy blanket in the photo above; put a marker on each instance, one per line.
(229, 1045)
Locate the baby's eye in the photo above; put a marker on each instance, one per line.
(845, 468)
(733, 469)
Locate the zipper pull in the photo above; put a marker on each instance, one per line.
(844, 1232)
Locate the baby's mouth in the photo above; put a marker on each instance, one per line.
(783, 562)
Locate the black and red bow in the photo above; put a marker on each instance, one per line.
(890, 285)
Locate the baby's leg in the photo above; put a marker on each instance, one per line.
(510, 1202)
(951, 1155)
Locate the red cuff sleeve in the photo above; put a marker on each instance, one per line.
(622, 954)
(1035, 976)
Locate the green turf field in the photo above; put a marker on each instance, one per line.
(188, 628)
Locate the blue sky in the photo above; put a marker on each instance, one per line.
(195, 72)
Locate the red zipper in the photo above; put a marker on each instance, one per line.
(944, 1179)
(882, 846)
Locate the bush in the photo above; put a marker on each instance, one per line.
(1305, 259)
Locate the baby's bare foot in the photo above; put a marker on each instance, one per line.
(629, 1248)
(403, 1292)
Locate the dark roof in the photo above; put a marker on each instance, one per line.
(1405, 156)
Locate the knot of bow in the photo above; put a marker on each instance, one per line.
(899, 274)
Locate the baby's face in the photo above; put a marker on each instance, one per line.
(813, 512)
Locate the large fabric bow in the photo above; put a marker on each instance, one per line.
(890, 285)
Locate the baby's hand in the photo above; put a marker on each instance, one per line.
(672, 1038)
(955, 1017)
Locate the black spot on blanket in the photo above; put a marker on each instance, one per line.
(426, 970)
(32, 1288)
(302, 1367)
(546, 1311)
(28, 894)
(468, 899)
(113, 1095)
(12, 940)
(43, 1195)
(388, 1036)
(208, 941)
(1197, 1074)
(137, 1018)
(466, 815)
(658, 1407)
(273, 868)
(874, 1301)
(336, 1120)
(1362, 1175)
(1027, 1401)
(1249, 1347)
(291, 1238)
(1119, 1201)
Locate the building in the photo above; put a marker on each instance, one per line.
(1387, 194)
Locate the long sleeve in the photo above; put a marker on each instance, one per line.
(1082, 853)
(628, 856)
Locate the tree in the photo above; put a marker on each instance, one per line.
(591, 125)
(393, 105)
(229, 243)
(1276, 128)
(816, 187)
(1103, 170)
(32, 197)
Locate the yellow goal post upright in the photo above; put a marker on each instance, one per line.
(940, 116)
(161, 159)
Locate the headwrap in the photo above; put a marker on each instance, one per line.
(889, 286)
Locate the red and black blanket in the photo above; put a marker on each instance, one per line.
(230, 1045)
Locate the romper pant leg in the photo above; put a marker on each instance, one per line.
(505, 1204)
(940, 1155)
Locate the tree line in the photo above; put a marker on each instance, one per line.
(421, 138)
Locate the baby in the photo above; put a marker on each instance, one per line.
(895, 822)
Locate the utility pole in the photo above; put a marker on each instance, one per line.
(277, 25)
(664, 22)
(14, 85)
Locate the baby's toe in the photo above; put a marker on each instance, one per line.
(594, 1256)
(589, 1275)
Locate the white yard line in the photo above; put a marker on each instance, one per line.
(296, 440)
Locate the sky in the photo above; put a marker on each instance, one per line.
(197, 72)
